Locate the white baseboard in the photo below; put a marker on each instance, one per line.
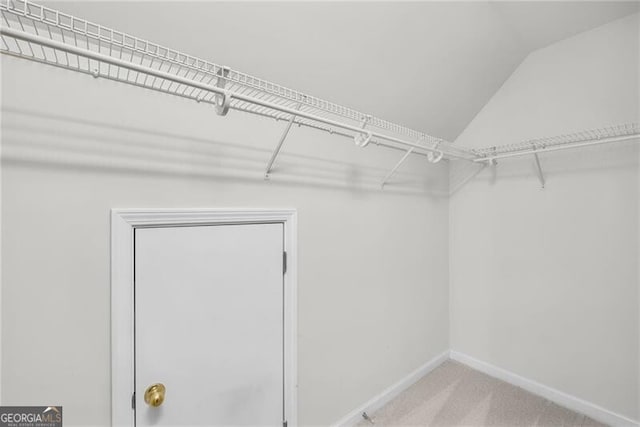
(596, 412)
(389, 393)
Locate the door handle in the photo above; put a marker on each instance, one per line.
(154, 395)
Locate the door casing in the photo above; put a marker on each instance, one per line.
(123, 224)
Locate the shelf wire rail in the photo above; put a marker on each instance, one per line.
(46, 35)
(42, 34)
(585, 138)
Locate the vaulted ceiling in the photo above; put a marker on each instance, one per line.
(428, 65)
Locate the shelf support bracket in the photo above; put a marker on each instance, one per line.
(492, 160)
(538, 167)
(435, 156)
(363, 139)
(275, 153)
(395, 168)
(468, 178)
(222, 101)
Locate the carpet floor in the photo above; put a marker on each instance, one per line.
(456, 395)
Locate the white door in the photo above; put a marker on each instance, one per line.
(209, 325)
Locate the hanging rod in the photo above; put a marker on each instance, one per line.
(75, 43)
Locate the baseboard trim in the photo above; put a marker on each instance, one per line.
(392, 391)
(596, 412)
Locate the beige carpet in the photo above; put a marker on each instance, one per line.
(456, 395)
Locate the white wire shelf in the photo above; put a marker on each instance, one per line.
(611, 134)
(42, 34)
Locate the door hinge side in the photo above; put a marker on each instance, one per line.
(284, 264)
(133, 401)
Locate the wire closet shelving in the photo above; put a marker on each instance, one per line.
(42, 34)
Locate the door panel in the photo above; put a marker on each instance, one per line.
(209, 324)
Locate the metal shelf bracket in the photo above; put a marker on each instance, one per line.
(363, 139)
(222, 100)
(395, 168)
(275, 153)
(435, 157)
(469, 177)
(493, 161)
(538, 167)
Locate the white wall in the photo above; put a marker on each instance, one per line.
(544, 282)
(373, 278)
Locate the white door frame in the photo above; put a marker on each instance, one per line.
(123, 224)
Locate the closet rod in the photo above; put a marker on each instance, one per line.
(559, 147)
(228, 95)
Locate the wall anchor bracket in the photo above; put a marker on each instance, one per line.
(435, 156)
(363, 139)
(275, 153)
(222, 101)
(395, 168)
(491, 161)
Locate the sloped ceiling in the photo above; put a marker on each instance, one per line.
(427, 65)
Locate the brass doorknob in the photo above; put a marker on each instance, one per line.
(154, 395)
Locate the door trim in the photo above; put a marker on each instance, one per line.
(123, 224)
